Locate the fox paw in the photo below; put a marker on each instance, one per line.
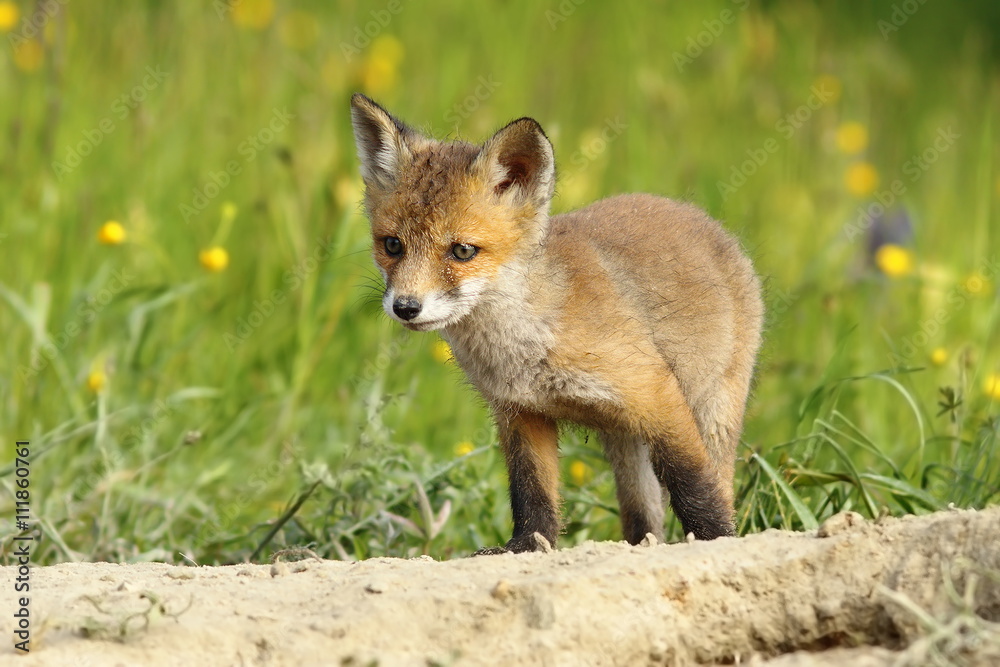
(490, 551)
(533, 542)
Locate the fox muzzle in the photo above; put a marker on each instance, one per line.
(406, 307)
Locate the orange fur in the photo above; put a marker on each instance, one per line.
(637, 316)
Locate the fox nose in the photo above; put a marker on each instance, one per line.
(406, 307)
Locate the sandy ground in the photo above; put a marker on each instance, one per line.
(853, 593)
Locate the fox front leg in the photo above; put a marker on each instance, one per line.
(531, 449)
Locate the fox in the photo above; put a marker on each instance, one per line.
(638, 317)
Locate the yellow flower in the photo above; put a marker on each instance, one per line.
(894, 261)
(348, 191)
(580, 472)
(577, 188)
(298, 29)
(214, 259)
(229, 211)
(29, 56)
(442, 352)
(852, 138)
(96, 381)
(380, 71)
(939, 356)
(256, 14)
(333, 74)
(861, 179)
(830, 86)
(463, 448)
(992, 386)
(111, 233)
(976, 284)
(8, 16)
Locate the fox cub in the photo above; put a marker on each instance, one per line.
(637, 316)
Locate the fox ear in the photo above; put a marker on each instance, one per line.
(518, 159)
(383, 149)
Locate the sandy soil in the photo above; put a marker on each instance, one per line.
(850, 594)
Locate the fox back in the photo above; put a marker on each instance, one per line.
(637, 316)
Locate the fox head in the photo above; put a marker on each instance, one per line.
(451, 221)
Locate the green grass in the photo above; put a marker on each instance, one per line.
(272, 405)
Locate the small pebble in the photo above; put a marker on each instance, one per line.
(502, 590)
(839, 523)
(180, 573)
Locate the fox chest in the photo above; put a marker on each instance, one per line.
(511, 368)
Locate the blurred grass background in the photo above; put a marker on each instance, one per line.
(190, 341)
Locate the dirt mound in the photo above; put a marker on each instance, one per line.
(890, 592)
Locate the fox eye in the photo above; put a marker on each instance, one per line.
(463, 251)
(393, 246)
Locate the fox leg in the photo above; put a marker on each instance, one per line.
(685, 467)
(530, 446)
(697, 495)
(640, 496)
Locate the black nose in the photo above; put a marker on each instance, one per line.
(406, 307)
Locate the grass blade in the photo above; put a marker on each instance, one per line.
(806, 517)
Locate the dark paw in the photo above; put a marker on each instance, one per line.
(491, 551)
(520, 544)
(532, 542)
